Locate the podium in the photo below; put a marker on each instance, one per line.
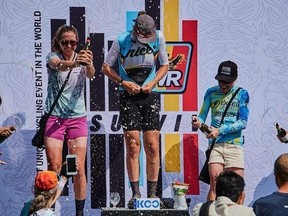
(133, 212)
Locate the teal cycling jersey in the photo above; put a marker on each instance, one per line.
(71, 103)
(135, 60)
(235, 120)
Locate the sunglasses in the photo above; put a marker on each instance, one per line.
(66, 42)
(139, 34)
(224, 82)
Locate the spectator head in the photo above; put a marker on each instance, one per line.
(281, 169)
(231, 185)
(45, 190)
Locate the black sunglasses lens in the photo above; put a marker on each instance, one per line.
(224, 82)
(73, 43)
(65, 43)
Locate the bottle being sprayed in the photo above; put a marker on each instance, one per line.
(204, 128)
(86, 47)
(281, 133)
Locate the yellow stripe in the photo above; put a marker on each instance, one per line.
(169, 50)
(172, 153)
(171, 102)
(171, 31)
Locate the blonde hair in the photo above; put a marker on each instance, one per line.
(42, 199)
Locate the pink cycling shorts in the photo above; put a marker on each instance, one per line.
(71, 128)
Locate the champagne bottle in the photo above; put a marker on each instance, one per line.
(87, 44)
(86, 47)
(281, 133)
(194, 120)
(205, 129)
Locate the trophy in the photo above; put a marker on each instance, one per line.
(179, 195)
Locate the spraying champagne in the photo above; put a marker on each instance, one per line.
(204, 128)
(86, 47)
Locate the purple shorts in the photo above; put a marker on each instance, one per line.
(71, 128)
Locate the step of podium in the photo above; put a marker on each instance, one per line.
(133, 212)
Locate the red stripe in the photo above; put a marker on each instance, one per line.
(189, 34)
(191, 167)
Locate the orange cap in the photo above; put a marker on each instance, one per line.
(46, 180)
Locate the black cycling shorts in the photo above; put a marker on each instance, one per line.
(140, 111)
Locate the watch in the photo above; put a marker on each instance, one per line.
(120, 82)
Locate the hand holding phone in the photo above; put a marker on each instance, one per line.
(71, 164)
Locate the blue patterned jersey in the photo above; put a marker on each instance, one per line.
(235, 119)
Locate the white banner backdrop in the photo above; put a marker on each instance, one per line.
(252, 33)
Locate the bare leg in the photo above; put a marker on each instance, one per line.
(214, 170)
(132, 139)
(78, 146)
(239, 171)
(151, 145)
(54, 149)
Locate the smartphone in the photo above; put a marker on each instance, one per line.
(71, 164)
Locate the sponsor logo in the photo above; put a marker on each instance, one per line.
(226, 70)
(147, 203)
(175, 81)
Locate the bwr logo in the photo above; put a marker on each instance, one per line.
(172, 78)
(180, 55)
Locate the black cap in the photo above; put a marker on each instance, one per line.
(227, 71)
